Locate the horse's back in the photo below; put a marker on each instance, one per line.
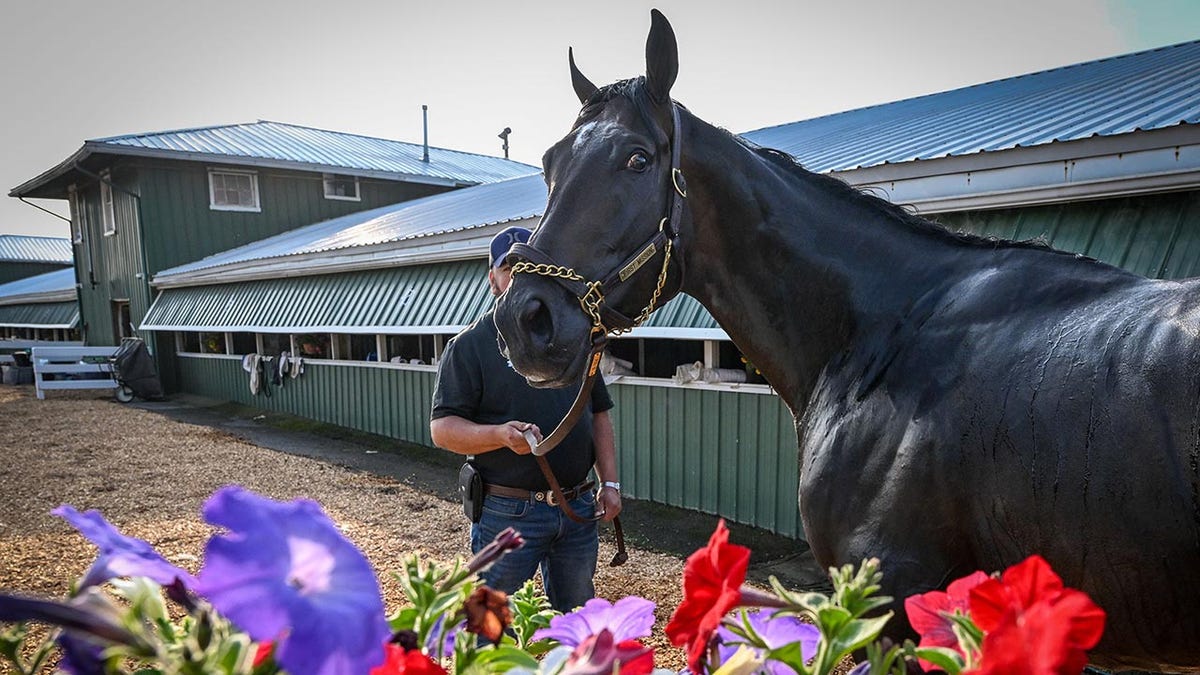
(1023, 413)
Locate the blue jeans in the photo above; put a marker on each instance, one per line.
(563, 549)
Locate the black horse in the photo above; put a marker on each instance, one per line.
(961, 402)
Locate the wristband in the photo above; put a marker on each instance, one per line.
(611, 484)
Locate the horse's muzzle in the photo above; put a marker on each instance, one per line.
(543, 332)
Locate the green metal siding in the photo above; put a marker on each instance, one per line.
(1155, 236)
(390, 402)
(450, 294)
(714, 451)
(42, 315)
(11, 270)
(722, 452)
(180, 227)
(112, 269)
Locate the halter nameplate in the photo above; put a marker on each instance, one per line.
(643, 257)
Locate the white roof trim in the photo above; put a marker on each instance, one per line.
(462, 244)
(1096, 168)
(43, 298)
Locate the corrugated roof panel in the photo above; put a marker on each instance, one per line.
(23, 248)
(58, 281)
(397, 299)
(1148, 90)
(478, 206)
(401, 299)
(265, 140)
(40, 315)
(683, 311)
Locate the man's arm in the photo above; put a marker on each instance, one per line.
(605, 442)
(464, 437)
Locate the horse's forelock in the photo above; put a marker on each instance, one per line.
(633, 89)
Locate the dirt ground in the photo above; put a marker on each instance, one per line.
(148, 471)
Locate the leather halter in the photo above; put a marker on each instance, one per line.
(591, 295)
(605, 319)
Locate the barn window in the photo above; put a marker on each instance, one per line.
(233, 190)
(415, 349)
(188, 342)
(76, 201)
(338, 186)
(107, 212)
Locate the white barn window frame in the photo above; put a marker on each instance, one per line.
(233, 190)
(77, 216)
(108, 213)
(341, 187)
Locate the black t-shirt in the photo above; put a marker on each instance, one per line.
(477, 383)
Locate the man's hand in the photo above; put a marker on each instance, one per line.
(608, 502)
(512, 436)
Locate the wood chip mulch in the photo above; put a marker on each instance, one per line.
(149, 476)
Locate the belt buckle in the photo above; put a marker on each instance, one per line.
(549, 497)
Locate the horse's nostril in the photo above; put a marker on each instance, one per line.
(540, 327)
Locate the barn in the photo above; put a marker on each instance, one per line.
(1100, 158)
(144, 202)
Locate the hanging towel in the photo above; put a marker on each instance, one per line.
(252, 363)
(297, 367)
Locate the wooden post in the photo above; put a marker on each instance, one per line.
(381, 348)
(712, 353)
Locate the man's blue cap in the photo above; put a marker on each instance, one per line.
(504, 241)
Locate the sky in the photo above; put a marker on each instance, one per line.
(72, 70)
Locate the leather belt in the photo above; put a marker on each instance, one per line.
(542, 496)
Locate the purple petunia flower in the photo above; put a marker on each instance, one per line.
(440, 635)
(120, 556)
(628, 619)
(284, 572)
(776, 631)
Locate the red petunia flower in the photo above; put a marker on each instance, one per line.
(411, 662)
(712, 580)
(1032, 624)
(928, 612)
(263, 653)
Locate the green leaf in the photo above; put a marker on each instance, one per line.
(945, 658)
(789, 654)
(857, 634)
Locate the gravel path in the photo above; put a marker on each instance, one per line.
(149, 474)
(149, 468)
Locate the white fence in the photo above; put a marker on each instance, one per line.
(26, 345)
(72, 361)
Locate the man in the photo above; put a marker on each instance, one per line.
(481, 408)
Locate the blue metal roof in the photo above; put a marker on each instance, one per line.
(266, 140)
(23, 248)
(1147, 90)
(58, 281)
(473, 207)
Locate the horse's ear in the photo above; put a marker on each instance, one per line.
(662, 57)
(583, 86)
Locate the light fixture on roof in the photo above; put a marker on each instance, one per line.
(503, 135)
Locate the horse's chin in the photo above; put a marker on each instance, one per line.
(553, 378)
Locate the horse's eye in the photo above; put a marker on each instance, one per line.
(637, 162)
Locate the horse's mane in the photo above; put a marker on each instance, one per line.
(884, 207)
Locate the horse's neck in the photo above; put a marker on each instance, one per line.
(790, 269)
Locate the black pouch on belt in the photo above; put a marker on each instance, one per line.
(470, 485)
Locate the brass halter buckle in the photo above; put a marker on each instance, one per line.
(591, 302)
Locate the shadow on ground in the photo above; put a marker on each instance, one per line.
(647, 525)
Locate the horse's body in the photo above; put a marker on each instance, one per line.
(961, 403)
